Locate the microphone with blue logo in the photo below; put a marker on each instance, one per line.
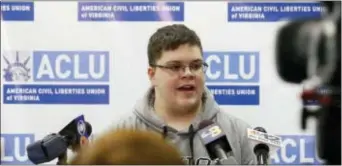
(55, 145)
(216, 143)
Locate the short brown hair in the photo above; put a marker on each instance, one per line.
(170, 38)
(129, 147)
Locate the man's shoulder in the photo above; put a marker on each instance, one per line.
(234, 123)
(126, 121)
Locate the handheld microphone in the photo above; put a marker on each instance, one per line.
(54, 145)
(265, 144)
(47, 149)
(216, 143)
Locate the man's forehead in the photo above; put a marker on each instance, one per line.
(182, 54)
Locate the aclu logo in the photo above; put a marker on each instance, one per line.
(297, 150)
(52, 66)
(233, 77)
(73, 66)
(17, 67)
(13, 148)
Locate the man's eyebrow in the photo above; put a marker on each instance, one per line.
(174, 61)
(197, 60)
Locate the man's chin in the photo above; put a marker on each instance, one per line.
(188, 103)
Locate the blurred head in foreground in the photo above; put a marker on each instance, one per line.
(128, 147)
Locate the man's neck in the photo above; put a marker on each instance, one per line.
(179, 120)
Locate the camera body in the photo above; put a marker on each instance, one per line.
(309, 52)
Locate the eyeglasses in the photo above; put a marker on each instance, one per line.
(178, 68)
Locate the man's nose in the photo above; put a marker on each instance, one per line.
(187, 71)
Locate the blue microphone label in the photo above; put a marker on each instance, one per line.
(210, 133)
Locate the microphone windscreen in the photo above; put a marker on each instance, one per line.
(291, 62)
(261, 129)
(128, 147)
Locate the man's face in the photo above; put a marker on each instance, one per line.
(179, 77)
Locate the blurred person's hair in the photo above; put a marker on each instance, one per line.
(129, 147)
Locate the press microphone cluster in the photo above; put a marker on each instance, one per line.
(216, 143)
(219, 149)
(265, 144)
(55, 145)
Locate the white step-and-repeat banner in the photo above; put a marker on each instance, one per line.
(63, 59)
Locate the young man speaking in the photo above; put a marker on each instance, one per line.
(178, 100)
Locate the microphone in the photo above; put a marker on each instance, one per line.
(309, 48)
(288, 54)
(265, 144)
(216, 143)
(47, 149)
(56, 144)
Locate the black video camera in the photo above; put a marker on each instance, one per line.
(309, 52)
(55, 145)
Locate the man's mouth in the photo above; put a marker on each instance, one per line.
(186, 88)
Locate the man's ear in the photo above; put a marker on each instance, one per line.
(151, 75)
